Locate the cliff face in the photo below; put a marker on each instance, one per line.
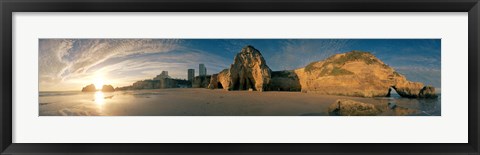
(286, 80)
(357, 74)
(248, 71)
(201, 81)
(353, 73)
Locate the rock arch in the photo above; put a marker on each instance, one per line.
(219, 85)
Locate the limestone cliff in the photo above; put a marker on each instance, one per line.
(285, 80)
(357, 73)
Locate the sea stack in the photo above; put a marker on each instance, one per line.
(108, 88)
(89, 88)
(248, 71)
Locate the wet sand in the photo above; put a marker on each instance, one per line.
(205, 102)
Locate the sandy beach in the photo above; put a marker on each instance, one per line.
(205, 102)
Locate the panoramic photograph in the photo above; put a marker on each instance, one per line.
(239, 77)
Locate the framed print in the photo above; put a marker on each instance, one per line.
(253, 77)
(354, 83)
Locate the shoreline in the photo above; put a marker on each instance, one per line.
(206, 102)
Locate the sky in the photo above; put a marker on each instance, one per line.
(70, 64)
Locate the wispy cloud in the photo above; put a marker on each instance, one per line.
(72, 63)
(63, 59)
(426, 75)
(69, 64)
(177, 62)
(297, 53)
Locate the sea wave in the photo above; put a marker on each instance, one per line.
(63, 93)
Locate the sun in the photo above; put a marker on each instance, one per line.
(98, 82)
(99, 98)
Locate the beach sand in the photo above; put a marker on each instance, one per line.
(205, 102)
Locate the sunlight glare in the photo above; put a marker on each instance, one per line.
(99, 97)
(98, 82)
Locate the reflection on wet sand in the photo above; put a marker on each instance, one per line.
(204, 102)
(99, 98)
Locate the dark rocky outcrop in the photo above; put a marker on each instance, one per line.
(286, 80)
(201, 81)
(89, 88)
(428, 92)
(344, 107)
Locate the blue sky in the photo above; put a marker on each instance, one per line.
(69, 64)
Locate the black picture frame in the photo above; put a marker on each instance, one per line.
(7, 7)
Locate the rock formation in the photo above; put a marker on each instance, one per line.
(286, 80)
(353, 73)
(214, 82)
(248, 71)
(108, 88)
(344, 107)
(201, 81)
(220, 79)
(428, 92)
(360, 74)
(89, 88)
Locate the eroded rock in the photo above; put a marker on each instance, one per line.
(428, 92)
(248, 71)
(360, 74)
(353, 73)
(344, 107)
(286, 80)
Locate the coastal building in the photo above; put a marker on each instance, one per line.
(162, 81)
(191, 74)
(202, 70)
(163, 75)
